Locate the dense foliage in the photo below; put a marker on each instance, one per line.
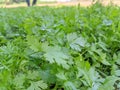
(65, 48)
(11, 1)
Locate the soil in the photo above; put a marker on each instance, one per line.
(74, 3)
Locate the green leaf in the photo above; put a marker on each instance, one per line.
(33, 42)
(70, 86)
(61, 76)
(104, 60)
(95, 86)
(47, 76)
(116, 58)
(109, 82)
(107, 22)
(102, 45)
(117, 73)
(19, 81)
(93, 74)
(76, 42)
(39, 85)
(32, 75)
(56, 55)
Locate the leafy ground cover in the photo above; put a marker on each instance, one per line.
(65, 48)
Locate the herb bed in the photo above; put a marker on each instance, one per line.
(64, 48)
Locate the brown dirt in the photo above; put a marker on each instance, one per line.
(82, 3)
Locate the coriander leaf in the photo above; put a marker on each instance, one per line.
(39, 85)
(69, 86)
(19, 80)
(61, 76)
(109, 82)
(76, 42)
(107, 22)
(55, 54)
(117, 73)
(33, 42)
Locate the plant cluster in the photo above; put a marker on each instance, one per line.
(64, 48)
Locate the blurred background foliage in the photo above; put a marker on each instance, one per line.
(8, 2)
(19, 1)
